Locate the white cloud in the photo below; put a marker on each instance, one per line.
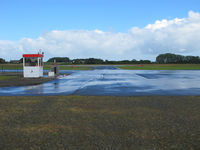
(176, 36)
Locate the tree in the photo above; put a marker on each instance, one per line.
(173, 58)
(125, 62)
(2, 61)
(144, 61)
(59, 59)
(93, 61)
(192, 59)
(78, 61)
(21, 60)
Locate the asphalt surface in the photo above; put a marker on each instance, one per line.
(116, 82)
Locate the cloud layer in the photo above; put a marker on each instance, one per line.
(175, 36)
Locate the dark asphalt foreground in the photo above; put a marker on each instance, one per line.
(89, 122)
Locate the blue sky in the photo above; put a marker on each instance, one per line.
(30, 18)
(107, 29)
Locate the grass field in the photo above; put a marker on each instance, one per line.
(128, 67)
(12, 79)
(46, 67)
(74, 67)
(2, 78)
(11, 66)
(81, 122)
(161, 67)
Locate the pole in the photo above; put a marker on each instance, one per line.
(54, 63)
(55, 67)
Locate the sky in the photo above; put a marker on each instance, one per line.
(106, 29)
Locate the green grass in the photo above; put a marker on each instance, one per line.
(128, 67)
(100, 122)
(11, 66)
(2, 78)
(75, 67)
(161, 67)
(63, 67)
(46, 67)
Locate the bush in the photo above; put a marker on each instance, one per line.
(2, 61)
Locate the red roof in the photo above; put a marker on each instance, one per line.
(33, 55)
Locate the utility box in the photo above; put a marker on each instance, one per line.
(54, 70)
(33, 65)
(51, 74)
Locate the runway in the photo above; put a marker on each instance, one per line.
(116, 82)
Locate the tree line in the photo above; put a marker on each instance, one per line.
(167, 58)
(95, 61)
(2, 61)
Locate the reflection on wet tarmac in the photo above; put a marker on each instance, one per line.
(116, 82)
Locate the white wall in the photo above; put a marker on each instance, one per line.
(33, 71)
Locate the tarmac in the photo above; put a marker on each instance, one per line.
(111, 81)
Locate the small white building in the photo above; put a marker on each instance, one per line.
(33, 65)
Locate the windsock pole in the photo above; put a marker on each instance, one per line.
(55, 68)
(54, 63)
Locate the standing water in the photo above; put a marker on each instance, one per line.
(116, 82)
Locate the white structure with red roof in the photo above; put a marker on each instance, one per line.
(33, 65)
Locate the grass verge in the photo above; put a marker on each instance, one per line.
(2, 78)
(75, 67)
(161, 67)
(46, 67)
(18, 80)
(11, 66)
(127, 67)
(89, 122)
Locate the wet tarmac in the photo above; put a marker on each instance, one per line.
(116, 82)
